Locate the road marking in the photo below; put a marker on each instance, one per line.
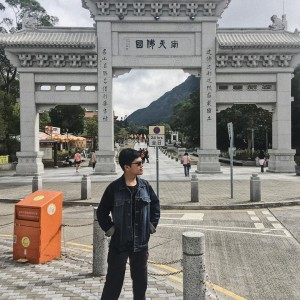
(272, 219)
(225, 292)
(180, 226)
(251, 212)
(210, 284)
(255, 219)
(193, 216)
(259, 225)
(277, 225)
(266, 212)
(80, 245)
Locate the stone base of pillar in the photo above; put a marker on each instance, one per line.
(208, 161)
(281, 161)
(106, 164)
(30, 163)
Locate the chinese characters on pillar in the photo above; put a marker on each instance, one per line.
(209, 85)
(104, 86)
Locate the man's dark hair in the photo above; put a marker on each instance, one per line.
(127, 156)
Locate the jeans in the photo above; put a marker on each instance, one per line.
(116, 273)
(186, 170)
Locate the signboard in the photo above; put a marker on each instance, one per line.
(230, 130)
(156, 140)
(156, 136)
(156, 129)
(52, 130)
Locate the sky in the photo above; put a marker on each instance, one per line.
(139, 88)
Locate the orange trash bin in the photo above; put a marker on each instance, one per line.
(37, 228)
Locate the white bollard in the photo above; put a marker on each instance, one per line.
(193, 261)
(37, 183)
(100, 249)
(86, 187)
(194, 189)
(255, 188)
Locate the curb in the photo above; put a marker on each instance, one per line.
(250, 205)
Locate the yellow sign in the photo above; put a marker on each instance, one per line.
(156, 129)
(38, 198)
(25, 242)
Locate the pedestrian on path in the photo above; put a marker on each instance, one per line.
(93, 160)
(77, 159)
(186, 161)
(262, 160)
(129, 212)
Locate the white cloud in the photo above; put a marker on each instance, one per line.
(141, 87)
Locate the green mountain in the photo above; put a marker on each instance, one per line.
(160, 110)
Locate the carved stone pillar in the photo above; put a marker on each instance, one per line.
(105, 154)
(208, 154)
(281, 155)
(29, 158)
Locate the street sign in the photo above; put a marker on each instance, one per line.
(230, 130)
(156, 140)
(156, 129)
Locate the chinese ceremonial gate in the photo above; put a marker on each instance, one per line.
(77, 65)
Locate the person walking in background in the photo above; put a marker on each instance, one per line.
(262, 160)
(147, 155)
(93, 160)
(77, 160)
(186, 161)
(129, 212)
(143, 155)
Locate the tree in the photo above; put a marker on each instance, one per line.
(68, 117)
(19, 8)
(244, 118)
(45, 120)
(91, 129)
(9, 84)
(186, 119)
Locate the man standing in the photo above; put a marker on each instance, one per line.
(135, 212)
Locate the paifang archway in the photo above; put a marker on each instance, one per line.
(234, 66)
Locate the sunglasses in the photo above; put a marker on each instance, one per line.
(139, 163)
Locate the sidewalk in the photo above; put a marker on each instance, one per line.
(66, 278)
(174, 188)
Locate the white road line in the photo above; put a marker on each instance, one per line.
(277, 225)
(259, 225)
(272, 219)
(286, 234)
(255, 219)
(266, 212)
(193, 216)
(250, 212)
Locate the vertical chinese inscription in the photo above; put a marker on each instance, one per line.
(105, 99)
(209, 86)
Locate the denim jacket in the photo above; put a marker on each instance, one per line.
(117, 201)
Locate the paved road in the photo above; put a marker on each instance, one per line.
(250, 254)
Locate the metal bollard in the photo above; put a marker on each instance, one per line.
(194, 189)
(255, 190)
(86, 187)
(100, 249)
(37, 183)
(193, 260)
